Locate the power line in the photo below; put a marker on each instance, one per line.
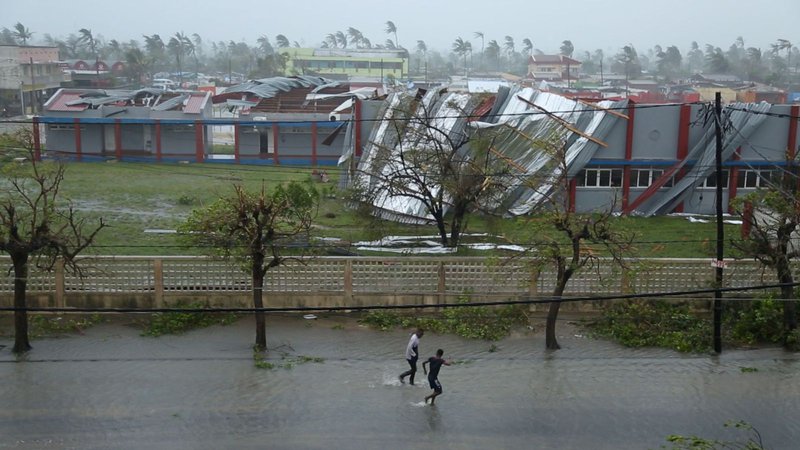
(393, 307)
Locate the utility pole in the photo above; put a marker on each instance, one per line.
(719, 263)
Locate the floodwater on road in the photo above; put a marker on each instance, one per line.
(334, 385)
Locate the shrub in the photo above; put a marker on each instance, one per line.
(473, 322)
(180, 322)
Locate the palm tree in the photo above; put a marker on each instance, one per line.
(366, 43)
(282, 41)
(509, 46)
(567, 48)
(355, 36)
(330, 39)
(391, 29)
(422, 49)
(176, 45)
(180, 45)
(783, 44)
(137, 65)
(264, 46)
(461, 48)
(389, 44)
(22, 33)
(527, 46)
(155, 47)
(87, 38)
(341, 39)
(477, 35)
(493, 49)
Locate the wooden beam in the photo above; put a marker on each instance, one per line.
(605, 110)
(565, 124)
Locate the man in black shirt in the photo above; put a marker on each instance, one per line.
(436, 363)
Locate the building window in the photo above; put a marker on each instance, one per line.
(599, 178)
(642, 178)
(753, 178)
(711, 181)
(64, 127)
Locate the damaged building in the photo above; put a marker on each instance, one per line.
(144, 123)
(632, 158)
(292, 120)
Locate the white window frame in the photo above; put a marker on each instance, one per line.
(598, 177)
(653, 174)
(726, 175)
(742, 180)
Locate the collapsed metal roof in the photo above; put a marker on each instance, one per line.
(157, 99)
(270, 87)
(526, 121)
(521, 117)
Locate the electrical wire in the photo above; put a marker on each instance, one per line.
(529, 301)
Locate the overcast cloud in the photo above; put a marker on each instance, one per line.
(589, 24)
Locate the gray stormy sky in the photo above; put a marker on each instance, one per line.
(589, 24)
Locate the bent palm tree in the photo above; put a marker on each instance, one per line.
(392, 29)
(22, 33)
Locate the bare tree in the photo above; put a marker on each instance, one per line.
(567, 241)
(449, 173)
(35, 228)
(254, 228)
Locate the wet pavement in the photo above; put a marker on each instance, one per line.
(335, 385)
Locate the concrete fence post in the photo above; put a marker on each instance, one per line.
(60, 283)
(348, 281)
(533, 287)
(441, 287)
(158, 282)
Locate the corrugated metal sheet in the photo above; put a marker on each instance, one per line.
(523, 132)
(64, 101)
(195, 103)
(704, 155)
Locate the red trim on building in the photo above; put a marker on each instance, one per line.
(626, 171)
(158, 140)
(198, 141)
(275, 131)
(236, 134)
(573, 187)
(37, 140)
(357, 118)
(733, 179)
(313, 143)
(78, 149)
(118, 139)
(683, 143)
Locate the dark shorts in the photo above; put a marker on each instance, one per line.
(435, 385)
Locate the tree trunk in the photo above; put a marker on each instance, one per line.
(552, 316)
(441, 226)
(258, 302)
(459, 211)
(21, 342)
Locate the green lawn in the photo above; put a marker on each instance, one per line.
(134, 197)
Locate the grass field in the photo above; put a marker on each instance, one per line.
(135, 197)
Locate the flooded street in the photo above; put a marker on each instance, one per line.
(111, 388)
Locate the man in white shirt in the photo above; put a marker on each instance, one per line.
(412, 355)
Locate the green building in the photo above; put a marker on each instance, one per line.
(356, 62)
